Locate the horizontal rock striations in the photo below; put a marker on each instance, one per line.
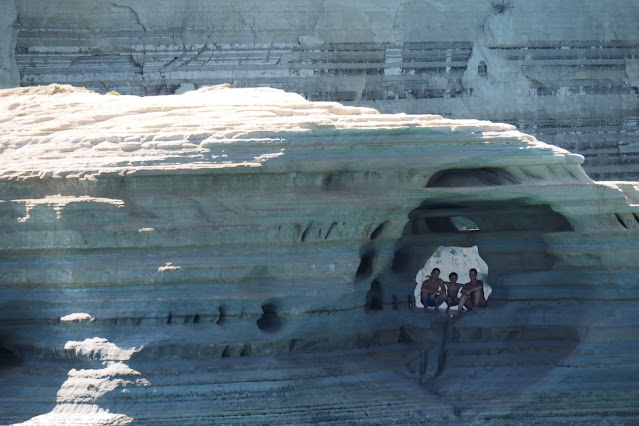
(567, 73)
(247, 256)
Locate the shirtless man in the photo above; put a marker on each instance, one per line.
(452, 288)
(433, 293)
(473, 293)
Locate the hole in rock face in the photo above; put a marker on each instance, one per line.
(270, 321)
(365, 268)
(463, 224)
(226, 352)
(440, 224)
(509, 233)
(246, 351)
(454, 178)
(374, 297)
(196, 318)
(222, 318)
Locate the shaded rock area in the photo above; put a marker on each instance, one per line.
(247, 256)
(567, 73)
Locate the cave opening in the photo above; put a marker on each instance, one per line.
(270, 321)
(509, 234)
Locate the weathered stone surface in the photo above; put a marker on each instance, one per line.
(567, 73)
(246, 256)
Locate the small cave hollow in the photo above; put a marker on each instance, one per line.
(270, 321)
(374, 297)
(222, 315)
(365, 268)
(226, 353)
(509, 233)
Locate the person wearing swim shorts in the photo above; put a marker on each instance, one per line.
(433, 292)
(452, 289)
(472, 296)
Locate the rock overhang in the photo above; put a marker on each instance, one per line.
(65, 131)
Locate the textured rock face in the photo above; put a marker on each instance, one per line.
(567, 73)
(246, 256)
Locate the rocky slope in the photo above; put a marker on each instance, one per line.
(567, 73)
(247, 256)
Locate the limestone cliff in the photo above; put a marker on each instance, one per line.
(247, 256)
(565, 72)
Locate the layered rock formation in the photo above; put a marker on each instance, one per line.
(567, 73)
(246, 256)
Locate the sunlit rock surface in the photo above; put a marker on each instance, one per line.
(246, 256)
(566, 72)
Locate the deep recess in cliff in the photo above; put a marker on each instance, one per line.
(566, 72)
(247, 256)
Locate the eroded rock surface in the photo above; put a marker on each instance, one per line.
(567, 73)
(246, 256)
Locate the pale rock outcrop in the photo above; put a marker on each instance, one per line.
(248, 256)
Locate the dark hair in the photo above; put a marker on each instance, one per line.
(472, 269)
(452, 274)
(435, 269)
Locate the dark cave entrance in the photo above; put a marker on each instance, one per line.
(509, 233)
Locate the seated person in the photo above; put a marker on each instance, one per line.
(472, 296)
(452, 289)
(433, 292)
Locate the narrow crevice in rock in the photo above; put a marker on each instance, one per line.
(169, 318)
(196, 319)
(226, 353)
(620, 220)
(330, 229)
(222, 317)
(305, 233)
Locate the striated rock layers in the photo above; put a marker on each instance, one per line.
(566, 72)
(247, 256)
